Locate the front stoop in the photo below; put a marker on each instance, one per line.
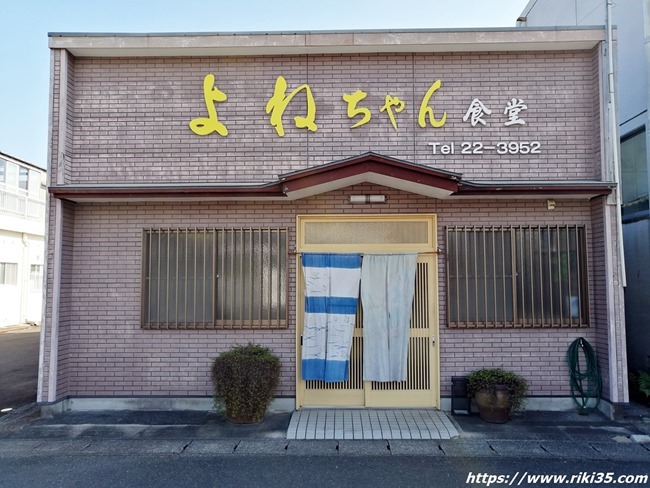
(325, 423)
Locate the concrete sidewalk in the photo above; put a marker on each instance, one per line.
(563, 435)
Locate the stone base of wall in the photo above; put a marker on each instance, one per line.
(147, 404)
(547, 404)
(286, 404)
(552, 404)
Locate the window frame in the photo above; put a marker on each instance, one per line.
(23, 178)
(4, 273)
(640, 201)
(532, 294)
(243, 311)
(35, 277)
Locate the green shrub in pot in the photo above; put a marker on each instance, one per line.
(496, 392)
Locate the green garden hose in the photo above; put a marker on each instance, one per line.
(586, 382)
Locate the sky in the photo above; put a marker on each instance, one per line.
(25, 57)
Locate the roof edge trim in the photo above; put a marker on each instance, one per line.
(368, 167)
(291, 43)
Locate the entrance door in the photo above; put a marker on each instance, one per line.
(378, 234)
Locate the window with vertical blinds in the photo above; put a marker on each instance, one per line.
(517, 276)
(214, 278)
(8, 273)
(36, 277)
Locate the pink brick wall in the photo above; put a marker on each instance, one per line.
(127, 121)
(55, 96)
(537, 354)
(130, 116)
(67, 298)
(67, 173)
(105, 352)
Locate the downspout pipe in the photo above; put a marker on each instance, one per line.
(614, 139)
(617, 373)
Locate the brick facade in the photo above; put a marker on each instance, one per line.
(131, 115)
(105, 352)
(126, 122)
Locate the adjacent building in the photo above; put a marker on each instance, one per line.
(191, 173)
(22, 243)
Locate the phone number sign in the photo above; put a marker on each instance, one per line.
(501, 147)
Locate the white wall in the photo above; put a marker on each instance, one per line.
(632, 65)
(22, 230)
(21, 302)
(543, 13)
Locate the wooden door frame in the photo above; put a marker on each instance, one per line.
(430, 247)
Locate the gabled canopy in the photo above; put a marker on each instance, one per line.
(370, 168)
(366, 168)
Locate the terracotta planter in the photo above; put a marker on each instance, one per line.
(494, 405)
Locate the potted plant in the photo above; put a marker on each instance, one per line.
(497, 392)
(244, 380)
(642, 384)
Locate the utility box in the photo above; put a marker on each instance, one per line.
(461, 403)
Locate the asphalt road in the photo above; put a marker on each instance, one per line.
(18, 367)
(161, 471)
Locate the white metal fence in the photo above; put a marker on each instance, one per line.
(18, 202)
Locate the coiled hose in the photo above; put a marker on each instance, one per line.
(586, 382)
